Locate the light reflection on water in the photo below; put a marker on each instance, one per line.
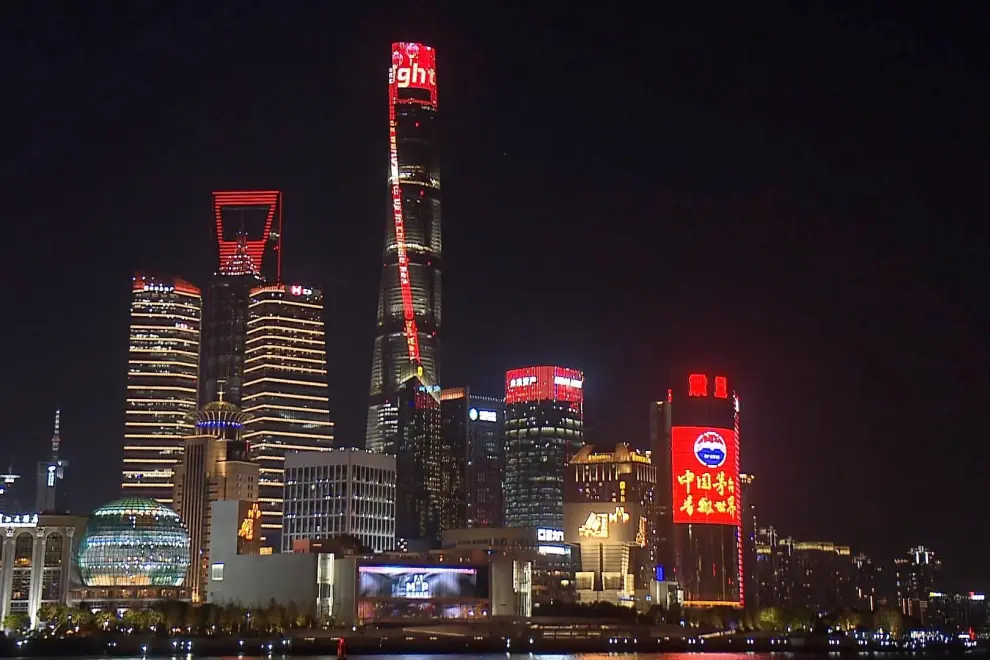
(486, 656)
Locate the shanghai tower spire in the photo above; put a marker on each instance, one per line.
(407, 344)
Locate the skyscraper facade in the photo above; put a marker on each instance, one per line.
(407, 344)
(345, 492)
(248, 226)
(473, 440)
(285, 388)
(544, 418)
(701, 434)
(162, 370)
(423, 508)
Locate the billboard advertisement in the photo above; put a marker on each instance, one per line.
(705, 475)
(600, 522)
(421, 582)
(544, 384)
(414, 67)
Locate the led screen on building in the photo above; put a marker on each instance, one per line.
(705, 475)
(414, 66)
(421, 582)
(545, 383)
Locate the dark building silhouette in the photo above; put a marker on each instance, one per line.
(473, 440)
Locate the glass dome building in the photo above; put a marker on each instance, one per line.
(134, 542)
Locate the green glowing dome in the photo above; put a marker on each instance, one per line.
(134, 542)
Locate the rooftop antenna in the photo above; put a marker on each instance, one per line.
(55, 438)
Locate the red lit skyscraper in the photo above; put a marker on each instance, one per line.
(407, 344)
(248, 225)
(698, 428)
(544, 419)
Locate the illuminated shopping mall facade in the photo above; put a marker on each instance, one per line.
(407, 343)
(162, 370)
(285, 388)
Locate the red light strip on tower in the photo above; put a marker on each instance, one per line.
(254, 248)
(409, 314)
(401, 53)
(739, 529)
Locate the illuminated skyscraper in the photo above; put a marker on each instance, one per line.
(544, 428)
(285, 388)
(409, 310)
(700, 432)
(162, 369)
(248, 226)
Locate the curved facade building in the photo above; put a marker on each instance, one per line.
(409, 305)
(134, 542)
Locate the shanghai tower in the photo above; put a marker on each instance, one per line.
(407, 344)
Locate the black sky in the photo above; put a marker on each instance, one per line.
(793, 197)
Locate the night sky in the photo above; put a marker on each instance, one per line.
(794, 199)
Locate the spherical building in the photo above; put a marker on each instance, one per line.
(134, 542)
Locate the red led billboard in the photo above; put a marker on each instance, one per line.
(705, 481)
(544, 384)
(414, 66)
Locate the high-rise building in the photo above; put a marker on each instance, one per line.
(918, 573)
(284, 389)
(660, 457)
(701, 434)
(248, 226)
(472, 434)
(344, 492)
(215, 466)
(747, 483)
(422, 505)
(544, 419)
(822, 575)
(866, 583)
(50, 474)
(620, 477)
(162, 370)
(407, 343)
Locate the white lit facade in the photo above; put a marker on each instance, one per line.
(285, 389)
(344, 491)
(162, 372)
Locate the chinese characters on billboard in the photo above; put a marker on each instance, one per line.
(420, 582)
(545, 383)
(705, 472)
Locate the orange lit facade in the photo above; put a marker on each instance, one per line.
(162, 373)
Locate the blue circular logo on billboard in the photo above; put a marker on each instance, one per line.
(710, 449)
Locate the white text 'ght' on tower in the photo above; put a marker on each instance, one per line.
(162, 371)
(285, 388)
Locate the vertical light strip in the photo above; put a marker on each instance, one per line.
(412, 337)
